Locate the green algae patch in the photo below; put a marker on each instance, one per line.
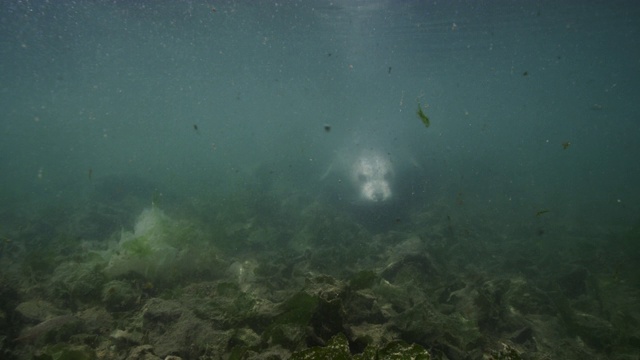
(138, 247)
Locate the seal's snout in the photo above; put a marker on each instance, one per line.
(377, 191)
(374, 174)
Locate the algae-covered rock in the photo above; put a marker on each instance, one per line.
(401, 350)
(363, 280)
(337, 348)
(66, 352)
(363, 307)
(39, 310)
(425, 325)
(119, 295)
(246, 337)
(287, 336)
(505, 353)
(397, 297)
(298, 309)
(222, 302)
(142, 352)
(595, 331)
(318, 309)
(528, 299)
(80, 281)
(55, 329)
(126, 338)
(369, 353)
(310, 316)
(173, 329)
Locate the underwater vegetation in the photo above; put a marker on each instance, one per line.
(162, 251)
(138, 247)
(254, 277)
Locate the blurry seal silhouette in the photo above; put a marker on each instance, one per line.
(373, 174)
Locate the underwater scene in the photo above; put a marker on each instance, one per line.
(319, 179)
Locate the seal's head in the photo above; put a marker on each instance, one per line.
(373, 174)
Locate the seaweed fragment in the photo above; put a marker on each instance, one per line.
(541, 212)
(425, 120)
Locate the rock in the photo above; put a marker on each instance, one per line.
(522, 336)
(575, 282)
(407, 268)
(528, 299)
(39, 310)
(127, 337)
(393, 299)
(363, 280)
(595, 331)
(96, 320)
(362, 306)
(223, 303)
(119, 295)
(243, 273)
(174, 330)
(65, 351)
(370, 335)
(492, 305)
(161, 311)
(402, 350)
(58, 328)
(246, 337)
(423, 324)
(287, 336)
(310, 316)
(81, 281)
(506, 352)
(142, 352)
(337, 348)
(3, 322)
